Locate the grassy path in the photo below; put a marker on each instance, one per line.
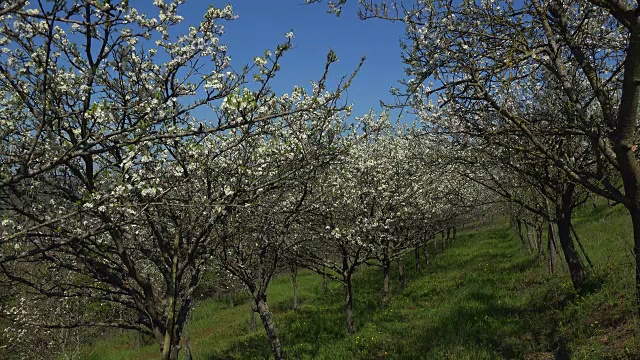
(484, 298)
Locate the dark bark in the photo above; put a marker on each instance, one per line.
(348, 305)
(269, 327)
(524, 243)
(347, 273)
(539, 241)
(386, 269)
(435, 245)
(416, 252)
(635, 220)
(571, 256)
(401, 273)
(171, 341)
(526, 232)
(448, 241)
(530, 242)
(624, 137)
(552, 248)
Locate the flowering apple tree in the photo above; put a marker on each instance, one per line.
(115, 168)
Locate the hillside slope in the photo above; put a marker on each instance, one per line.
(482, 298)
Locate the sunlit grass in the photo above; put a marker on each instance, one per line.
(484, 298)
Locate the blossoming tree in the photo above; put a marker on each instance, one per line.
(114, 174)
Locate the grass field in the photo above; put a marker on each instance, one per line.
(485, 297)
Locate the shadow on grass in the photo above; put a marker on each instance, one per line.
(303, 333)
(482, 321)
(254, 347)
(480, 299)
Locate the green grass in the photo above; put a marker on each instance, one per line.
(483, 298)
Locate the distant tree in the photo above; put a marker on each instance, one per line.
(373, 205)
(497, 57)
(277, 170)
(400, 193)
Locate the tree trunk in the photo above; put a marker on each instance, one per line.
(252, 318)
(170, 346)
(416, 253)
(348, 305)
(294, 281)
(552, 249)
(624, 137)
(401, 274)
(635, 219)
(386, 269)
(519, 222)
(435, 245)
(426, 254)
(187, 347)
(539, 241)
(571, 256)
(269, 327)
(531, 244)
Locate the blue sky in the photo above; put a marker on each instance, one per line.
(262, 25)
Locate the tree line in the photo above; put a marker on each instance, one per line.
(135, 160)
(539, 98)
